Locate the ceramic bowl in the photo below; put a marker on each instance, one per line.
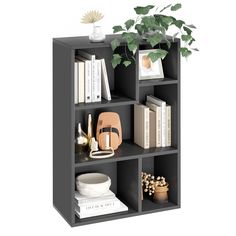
(93, 184)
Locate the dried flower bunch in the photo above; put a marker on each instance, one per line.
(149, 183)
(91, 17)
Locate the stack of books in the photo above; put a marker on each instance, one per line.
(95, 206)
(90, 79)
(152, 123)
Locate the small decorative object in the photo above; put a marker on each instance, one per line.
(92, 17)
(93, 184)
(90, 129)
(81, 140)
(96, 154)
(151, 25)
(158, 187)
(109, 132)
(149, 69)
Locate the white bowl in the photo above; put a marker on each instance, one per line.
(93, 184)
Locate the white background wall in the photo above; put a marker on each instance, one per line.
(208, 119)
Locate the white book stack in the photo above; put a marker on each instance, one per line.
(95, 206)
(90, 82)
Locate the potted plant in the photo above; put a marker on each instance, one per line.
(158, 187)
(151, 25)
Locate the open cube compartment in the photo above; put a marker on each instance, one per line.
(168, 93)
(124, 183)
(168, 167)
(122, 82)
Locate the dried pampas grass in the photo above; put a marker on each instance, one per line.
(91, 17)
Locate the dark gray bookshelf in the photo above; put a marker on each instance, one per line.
(125, 167)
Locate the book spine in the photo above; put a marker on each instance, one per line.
(97, 81)
(105, 84)
(168, 126)
(88, 81)
(99, 206)
(76, 82)
(152, 128)
(101, 212)
(81, 81)
(158, 126)
(163, 125)
(94, 200)
(146, 127)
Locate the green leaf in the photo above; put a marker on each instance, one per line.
(114, 44)
(129, 36)
(161, 21)
(191, 41)
(161, 29)
(129, 24)
(187, 30)
(116, 60)
(133, 46)
(176, 7)
(159, 53)
(154, 39)
(167, 19)
(185, 52)
(186, 38)
(149, 22)
(117, 28)
(143, 10)
(167, 42)
(140, 28)
(127, 63)
(178, 23)
(191, 26)
(164, 8)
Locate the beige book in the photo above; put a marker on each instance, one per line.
(157, 110)
(141, 125)
(152, 128)
(168, 125)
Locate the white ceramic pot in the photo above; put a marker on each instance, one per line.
(93, 184)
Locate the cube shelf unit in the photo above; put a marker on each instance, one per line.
(125, 167)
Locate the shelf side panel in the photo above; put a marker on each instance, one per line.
(63, 118)
(128, 182)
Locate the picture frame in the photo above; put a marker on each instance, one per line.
(147, 68)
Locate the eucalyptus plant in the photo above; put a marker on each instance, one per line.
(151, 25)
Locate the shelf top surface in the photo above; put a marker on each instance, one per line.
(81, 42)
(127, 150)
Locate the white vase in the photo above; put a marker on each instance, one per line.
(97, 34)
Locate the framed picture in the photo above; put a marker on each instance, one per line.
(148, 69)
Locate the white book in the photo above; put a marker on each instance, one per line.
(81, 75)
(76, 97)
(157, 110)
(106, 93)
(96, 84)
(98, 206)
(121, 208)
(141, 125)
(81, 199)
(168, 125)
(162, 104)
(87, 79)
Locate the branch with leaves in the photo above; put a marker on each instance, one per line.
(151, 25)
